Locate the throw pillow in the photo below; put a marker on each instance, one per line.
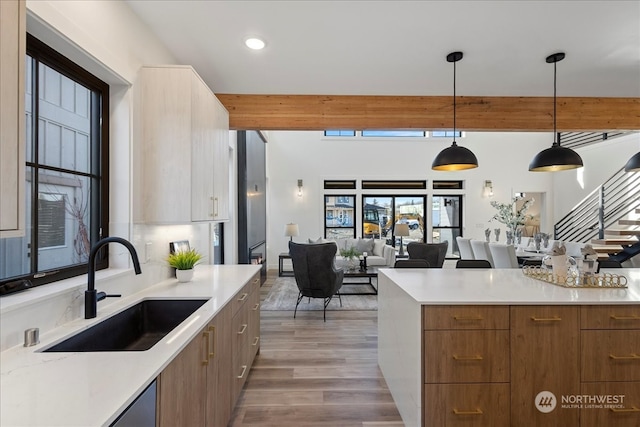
(378, 247)
(319, 240)
(365, 245)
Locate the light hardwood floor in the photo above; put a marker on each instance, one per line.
(312, 373)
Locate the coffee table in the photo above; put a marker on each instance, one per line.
(370, 273)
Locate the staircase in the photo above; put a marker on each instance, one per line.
(608, 218)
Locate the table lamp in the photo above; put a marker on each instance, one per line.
(291, 230)
(401, 230)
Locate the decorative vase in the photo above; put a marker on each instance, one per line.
(184, 275)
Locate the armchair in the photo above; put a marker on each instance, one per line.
(314, 271)
(434, 253)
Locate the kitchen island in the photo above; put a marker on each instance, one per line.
(491, 347)
(94, 388)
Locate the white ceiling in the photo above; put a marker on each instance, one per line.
(399, 47)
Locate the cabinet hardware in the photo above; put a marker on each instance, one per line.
(215, 206)
(546, 319)
(634, 317)
(632, 356)
(476, 357)
(244, 369)
(632, 409)
(206, 348)
(474, 412)
(243, 297)
(255, 307)
(255, 341)
(244, 328)
(467, 318)
(212, 349)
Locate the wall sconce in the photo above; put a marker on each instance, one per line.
(299, 188)
(488, 189)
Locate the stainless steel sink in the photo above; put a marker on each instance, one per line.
(137, 328)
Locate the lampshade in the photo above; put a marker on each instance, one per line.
(454, 158)
(291, 230)
(401, 230)
(633, 165)
(556, 158)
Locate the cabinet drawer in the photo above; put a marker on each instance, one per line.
(240, 330)
(466, 405)
(466, 356)
(465, 317)
(241, 368)
(254, 323)
(610, 317)
(610, 355)
(622, 411)
(241, 297)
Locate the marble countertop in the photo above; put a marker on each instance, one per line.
(92, 389)
(439, 286)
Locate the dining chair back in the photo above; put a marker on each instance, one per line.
(433, 253)
(464, 247)
(473, 263)
(481, 250)
(504, 256)
(412, 263)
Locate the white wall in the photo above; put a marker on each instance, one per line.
(503, 158)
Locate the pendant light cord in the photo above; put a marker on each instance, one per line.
(454, 103)
(555, 133)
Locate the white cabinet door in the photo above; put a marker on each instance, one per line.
(12, 116)
(221, 163)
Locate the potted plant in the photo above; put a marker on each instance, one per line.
(510, 216)
(184, 262)
(349, 254)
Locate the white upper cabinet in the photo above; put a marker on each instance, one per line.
(12, 116)
(179, 127)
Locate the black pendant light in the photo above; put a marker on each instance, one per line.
(633, 165)
(454, 158)
(556, 158)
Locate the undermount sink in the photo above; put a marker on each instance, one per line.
(137, 328)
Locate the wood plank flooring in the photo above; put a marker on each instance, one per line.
(314, 374)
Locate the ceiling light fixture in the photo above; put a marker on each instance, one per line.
(556, 158)
(254, 43)
(633, 165)
(454, 158)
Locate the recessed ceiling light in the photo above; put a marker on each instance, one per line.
(254, 43)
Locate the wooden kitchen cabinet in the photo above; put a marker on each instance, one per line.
(182, 160)
(201, 385)
(13, 32)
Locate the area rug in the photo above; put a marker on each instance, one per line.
(284, 293)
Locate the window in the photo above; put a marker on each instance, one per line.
(381, 213)
(66, 155)
(446, 133)
(339, 214)
(340, 185)
(394, 133)
(339, 133)
(446, 221)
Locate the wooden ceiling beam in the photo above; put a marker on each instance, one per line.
(473, 113)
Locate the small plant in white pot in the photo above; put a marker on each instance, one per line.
(184, 262)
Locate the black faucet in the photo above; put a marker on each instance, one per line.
(91, 296)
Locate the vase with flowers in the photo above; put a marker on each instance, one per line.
(350, 255)
(512, 217)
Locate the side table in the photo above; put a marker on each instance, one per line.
(281, 271)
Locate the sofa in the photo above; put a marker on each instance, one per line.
(379, 254)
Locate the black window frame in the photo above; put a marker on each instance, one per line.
(355, 213)
(453, 246)
(98, 175)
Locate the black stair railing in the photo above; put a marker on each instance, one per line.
(601, 209)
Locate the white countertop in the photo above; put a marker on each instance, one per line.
(439, 286)
(92, 389)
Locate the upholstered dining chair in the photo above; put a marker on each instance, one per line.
(464, 247)
(315, 273)
(412, 263)
(504, 256)
(433, 253)
(473, 263)
(481, 250)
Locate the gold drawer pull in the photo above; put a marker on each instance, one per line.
(546, 319)
(244, 369)
(474, 412)
(467, 318)
(634, 317)
(476, 357)
(632, 356)
(256, 280)
(255, 307)
(632, 409)
(212, 349)
(255, 341)
(243, 297)
(206, 348)
(241, 331)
